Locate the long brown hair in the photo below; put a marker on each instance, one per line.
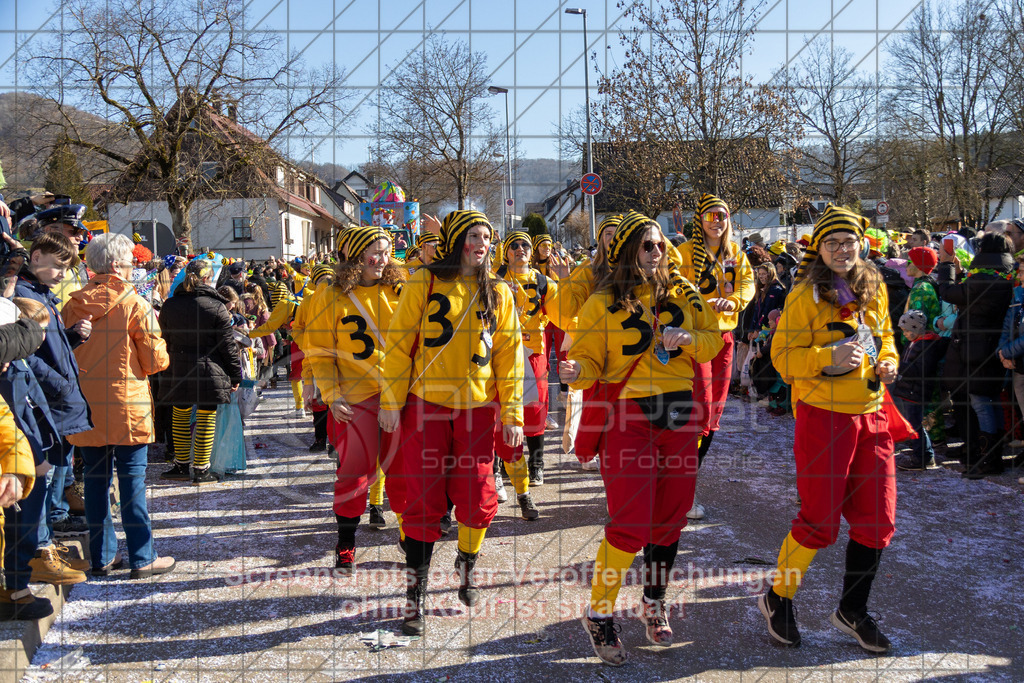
(864, 280)
(627, 275)
(196, 273)
(449, 267)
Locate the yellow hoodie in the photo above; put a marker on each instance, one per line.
(534, 312)
(609, 339)
(342, 350)
(799, 351)
(736, 285)
(453, 366)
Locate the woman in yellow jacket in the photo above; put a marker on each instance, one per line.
(283, 307)
(426, 246)
(537, 303)
(454, 367)
(642, 337)
(724, 277)
(344, 345)
(307, 312)
(834, 344)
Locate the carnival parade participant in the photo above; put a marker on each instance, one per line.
(835, 341)
(454, 365)
(553, 267)
(283, 307)
(309, 310)
(536, 303)
(426, 246)
(724, 277)
(643, 340)
(344, 346)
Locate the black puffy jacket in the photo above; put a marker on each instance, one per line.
(972, 362)
(204, 358)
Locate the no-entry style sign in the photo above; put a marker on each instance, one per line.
(882, 209)
(590, 183)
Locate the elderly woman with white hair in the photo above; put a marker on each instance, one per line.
(124, 349)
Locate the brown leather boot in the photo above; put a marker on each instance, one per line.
(47, 567)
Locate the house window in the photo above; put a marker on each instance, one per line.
(241, 230)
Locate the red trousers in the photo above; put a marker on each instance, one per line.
(535, 414)
(553, 339)
(711, 386)
(844, 466)
(649, 477)
(295, 362)
(361, 444)
(447, 452)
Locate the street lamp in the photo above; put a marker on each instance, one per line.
(586, 94)
(495, 90)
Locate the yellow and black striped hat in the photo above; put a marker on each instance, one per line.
(632, 223)
(509, 239)
(701, 260)
(363, 237)
(541, 239)
(456, 223)
(342, 241)
(832, 220)
(611, 220)
(426, 238)
(278, 293)
(319, 270)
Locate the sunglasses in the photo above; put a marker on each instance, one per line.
(519, 244)
(649, 245)
(713, 216)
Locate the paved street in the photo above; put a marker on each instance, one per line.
(252, 598)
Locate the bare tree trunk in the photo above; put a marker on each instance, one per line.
(181, 218)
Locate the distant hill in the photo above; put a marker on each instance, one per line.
(28, 132)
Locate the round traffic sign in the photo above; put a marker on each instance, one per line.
(590, 183)
(882, 208)
(510, 202)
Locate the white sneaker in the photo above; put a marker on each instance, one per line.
(300, 412)
(592, 465)
(696, 512)
(499, 488)
(550, 423)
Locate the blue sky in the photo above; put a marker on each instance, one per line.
(532, 47)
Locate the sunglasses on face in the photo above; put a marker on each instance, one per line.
(714, 216)
(649, 245)
(519, 244)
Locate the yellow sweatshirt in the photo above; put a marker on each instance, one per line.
(735, 281)
(535, 312)
(309, 310)
(342, 350)
(453, 367)
(609, 338)
(799, 351)
(414, 264)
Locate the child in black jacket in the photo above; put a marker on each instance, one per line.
(916, 384)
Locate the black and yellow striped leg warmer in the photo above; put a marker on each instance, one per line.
(206, 422)
(181, 433)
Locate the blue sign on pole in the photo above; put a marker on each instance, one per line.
(590, 183)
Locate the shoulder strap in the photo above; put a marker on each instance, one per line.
(542, 286)
(620, 385)
(370, 322)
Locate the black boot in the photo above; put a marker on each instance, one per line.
(988, 457)
(852, 616)
(705, 445)
(469, 593)
(535, 446)
(417, 562)
(345, 550)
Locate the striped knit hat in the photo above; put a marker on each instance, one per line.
(363, 237)
(425, 239)
(701, 259)
(541, 239)
(611, 220)
(278, 293)
(509, 239)
(831, 221)
(631, 224)
(456, 223)
(319, 270)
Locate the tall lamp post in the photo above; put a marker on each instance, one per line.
(499, 155)
(495, 90)
(586, 93)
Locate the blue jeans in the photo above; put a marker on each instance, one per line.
(914, 414)
(989, 412)
(22, 537)
(55, 508)
(130, 462)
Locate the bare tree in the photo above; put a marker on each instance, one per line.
(171, 76)
(946, 69)
(435, 122)
(577, 228)
(684, 113)
(836, 104)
